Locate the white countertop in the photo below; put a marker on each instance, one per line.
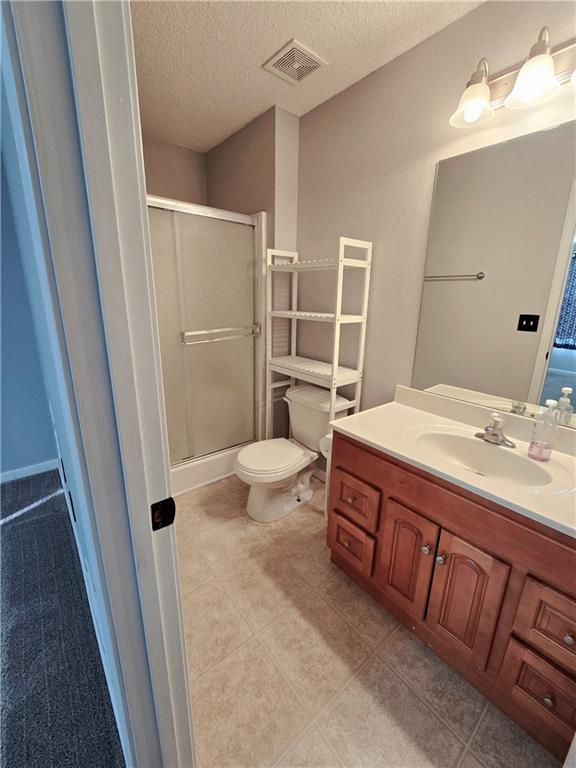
(394, 429)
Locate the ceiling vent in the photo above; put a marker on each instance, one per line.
(294, 62)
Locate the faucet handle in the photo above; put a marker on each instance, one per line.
(496, 421)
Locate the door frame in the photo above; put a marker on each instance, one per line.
(552, 312)
(78, 71)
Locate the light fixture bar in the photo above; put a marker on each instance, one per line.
(502, 83)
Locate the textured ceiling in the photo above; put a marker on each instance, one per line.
(199, 64)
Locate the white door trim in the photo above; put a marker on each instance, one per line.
(550, 319)
(88, 151)
(102, 63)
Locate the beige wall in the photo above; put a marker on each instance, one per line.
(174, 172)
(367, 165)
(240, 170)
(286, 180)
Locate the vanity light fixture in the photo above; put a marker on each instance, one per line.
(532, 82)
(474, 106)
(536, 81)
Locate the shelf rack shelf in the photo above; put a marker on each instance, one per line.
(330, 375)
(321, 317)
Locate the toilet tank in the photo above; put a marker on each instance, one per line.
(309, 408)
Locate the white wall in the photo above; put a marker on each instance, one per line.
(174, 172)
(499, 210)
(27, 437)
(286, 180)
(240, 171)
(368, 158)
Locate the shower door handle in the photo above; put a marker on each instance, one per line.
(210, 335)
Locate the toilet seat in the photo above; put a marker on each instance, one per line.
(269, 461)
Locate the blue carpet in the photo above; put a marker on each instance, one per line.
(55, 708)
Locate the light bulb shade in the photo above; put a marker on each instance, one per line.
(474, 106)
(535, 83)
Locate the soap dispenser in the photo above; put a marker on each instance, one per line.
(565, 409)
(544, 431)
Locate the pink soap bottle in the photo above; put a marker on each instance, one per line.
(544, 431)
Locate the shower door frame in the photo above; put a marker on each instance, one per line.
(200, 470)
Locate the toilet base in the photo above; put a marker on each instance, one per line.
(267, 503)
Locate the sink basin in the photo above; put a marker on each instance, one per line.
(492, 461)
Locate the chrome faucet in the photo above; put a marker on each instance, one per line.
(494, 432)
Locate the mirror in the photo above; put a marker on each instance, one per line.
(498, 312)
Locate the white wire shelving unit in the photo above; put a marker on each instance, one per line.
(330, 375)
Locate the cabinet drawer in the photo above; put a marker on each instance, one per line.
(547, 620)
(543, 690)
(356, 499)
(351, 544)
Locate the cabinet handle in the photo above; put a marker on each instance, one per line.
(548, 701)
(426, 549)
(349, 500)
(441, 559)
(568, 639)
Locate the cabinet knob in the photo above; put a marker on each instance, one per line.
(426, 549)
(347, 543)
(548, 701)
(441, 559)
(568, 639)
(349, 499)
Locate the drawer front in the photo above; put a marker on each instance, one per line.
(351, 544)
(542, 689)
(547, 620)
(356, 499)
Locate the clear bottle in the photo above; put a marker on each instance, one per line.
(565, 408)
(545, 425)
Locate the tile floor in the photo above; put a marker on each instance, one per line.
(292, 665)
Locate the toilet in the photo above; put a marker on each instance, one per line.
(278, 471)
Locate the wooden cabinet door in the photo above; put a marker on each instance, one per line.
(407, 546)
(465, 599)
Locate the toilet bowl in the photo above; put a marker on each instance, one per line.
(278, 471)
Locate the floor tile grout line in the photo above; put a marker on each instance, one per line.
(428, 704)
(221, 661)
(476, 729)
(314, 718)
(347, 620)
(258, 630)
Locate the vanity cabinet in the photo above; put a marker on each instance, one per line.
(489, 590)
(466, 597)
(406, 564)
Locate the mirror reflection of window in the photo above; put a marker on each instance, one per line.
(561, 371)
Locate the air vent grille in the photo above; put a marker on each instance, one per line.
(294, 62)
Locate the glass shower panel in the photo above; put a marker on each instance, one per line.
(167, 291)
(216, 284)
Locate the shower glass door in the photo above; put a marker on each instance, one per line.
(204, 280)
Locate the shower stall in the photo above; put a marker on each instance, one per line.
(208, 280)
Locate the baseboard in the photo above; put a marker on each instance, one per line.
(33, 469)
(198, 472)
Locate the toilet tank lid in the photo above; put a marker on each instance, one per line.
(313, 397)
